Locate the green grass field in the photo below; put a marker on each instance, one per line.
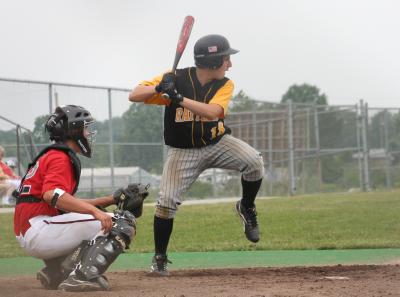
(325, 221)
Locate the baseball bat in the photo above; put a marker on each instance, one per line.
(182, 41)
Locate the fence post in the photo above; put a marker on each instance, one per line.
(364, 135)
(270, 159)
(387, 154)
(306, 146)
(317, 146)
(292, 178)
(359, 149)
(111, 139)
(18, 152)
(50, 98)
(254, 124)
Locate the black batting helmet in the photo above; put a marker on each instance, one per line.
(72, 122)
(210, 50)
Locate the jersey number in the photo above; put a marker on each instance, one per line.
(221, 130)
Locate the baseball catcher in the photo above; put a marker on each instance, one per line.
(76, 239)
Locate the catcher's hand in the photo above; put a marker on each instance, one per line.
(131, 198)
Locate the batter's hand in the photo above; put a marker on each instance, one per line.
(105, 220)
(174, 96)
(167, 83)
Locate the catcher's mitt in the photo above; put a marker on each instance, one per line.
(131, 198)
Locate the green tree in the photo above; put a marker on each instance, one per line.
(101, 148)
(8, 137)
(306, 94)
(241, 102)
(143, 124)
(39, 134)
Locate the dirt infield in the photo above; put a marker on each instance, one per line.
(348, 281)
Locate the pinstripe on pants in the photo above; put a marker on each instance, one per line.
(183, 167)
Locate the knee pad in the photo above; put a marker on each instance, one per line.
(91, 259)
(124, 227)
(164, 212)
(98, 257)
(70, 262)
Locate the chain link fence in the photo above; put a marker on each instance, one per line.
(307, 148)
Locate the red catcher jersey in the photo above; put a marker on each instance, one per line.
(53, 170)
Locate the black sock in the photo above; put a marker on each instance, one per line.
(162, 233)
(250, 190)
(54, 264)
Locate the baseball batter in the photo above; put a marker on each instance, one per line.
(76, 240)
(197, 138)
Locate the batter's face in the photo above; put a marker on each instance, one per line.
(226, 64)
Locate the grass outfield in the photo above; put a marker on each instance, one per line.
(315, 222)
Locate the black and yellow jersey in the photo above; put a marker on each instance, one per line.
(182, 128)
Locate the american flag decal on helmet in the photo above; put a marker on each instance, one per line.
(212, 49)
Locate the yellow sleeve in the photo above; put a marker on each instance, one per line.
(224, 96)
(156, 99)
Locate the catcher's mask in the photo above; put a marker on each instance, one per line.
(75, 123)
(210, 50)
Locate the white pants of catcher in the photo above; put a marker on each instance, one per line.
(50, 237)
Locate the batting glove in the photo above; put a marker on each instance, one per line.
(167, 83)
(175, 97)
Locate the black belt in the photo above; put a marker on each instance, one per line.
(28, 199)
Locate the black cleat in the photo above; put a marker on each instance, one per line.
(75, 284)
(49, 279)
(159, 265)
(249, 219)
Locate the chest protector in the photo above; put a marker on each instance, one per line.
(182, 128)
(76, 165)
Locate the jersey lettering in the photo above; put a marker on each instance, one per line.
(221, 130)
(187, 115)
(32, 171)
(183, 115)
(179, 115)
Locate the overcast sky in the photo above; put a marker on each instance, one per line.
(347, 48)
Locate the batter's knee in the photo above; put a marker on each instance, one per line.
(255, 169)
(164, 212)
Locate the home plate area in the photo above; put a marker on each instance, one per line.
(333, 281)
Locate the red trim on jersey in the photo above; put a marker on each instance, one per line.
(53, 170)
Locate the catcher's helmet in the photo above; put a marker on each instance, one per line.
(75, 123)
(210, 50)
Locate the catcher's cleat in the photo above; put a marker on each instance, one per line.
(75, 284)
(249, 219)
(159, 265)
(49, 279)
